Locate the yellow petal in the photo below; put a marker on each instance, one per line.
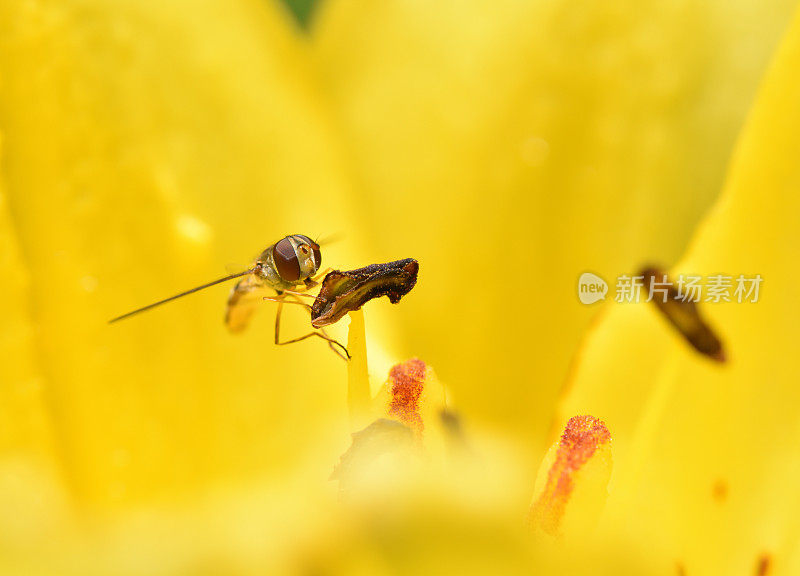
(148, 146)
(707, 456)
(31, 491)
(510, 146)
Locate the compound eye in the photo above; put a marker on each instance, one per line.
(286, 260)
(314, 247)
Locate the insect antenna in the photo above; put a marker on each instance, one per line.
(328, 239)
(186, 293)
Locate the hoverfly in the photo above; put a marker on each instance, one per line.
(289, 267)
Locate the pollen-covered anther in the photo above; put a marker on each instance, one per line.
(572, 485)
(406, 384)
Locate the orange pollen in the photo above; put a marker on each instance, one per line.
(580, 440)
(407, 383)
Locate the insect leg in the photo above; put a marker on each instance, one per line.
(314, 280)
(303, 294)
(331, 341)
(280, 299)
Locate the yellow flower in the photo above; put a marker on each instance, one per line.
(508, 146)
(708, 454)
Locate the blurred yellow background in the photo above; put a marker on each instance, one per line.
(146, 147)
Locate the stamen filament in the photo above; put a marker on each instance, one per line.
(358, 390)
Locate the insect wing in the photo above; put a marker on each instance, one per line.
(245, 296)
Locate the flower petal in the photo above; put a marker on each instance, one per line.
(31, 490)
(510, 146)
(145, 151)
(707, 456)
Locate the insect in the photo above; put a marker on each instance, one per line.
(289, 267)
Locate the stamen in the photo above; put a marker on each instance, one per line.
(407, 381)
(358, 390)
(684, 315)
(580, 459)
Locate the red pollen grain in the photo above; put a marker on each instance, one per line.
(407, 383)
(582, 437)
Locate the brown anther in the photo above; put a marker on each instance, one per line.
(345, 291)
(683, 314)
